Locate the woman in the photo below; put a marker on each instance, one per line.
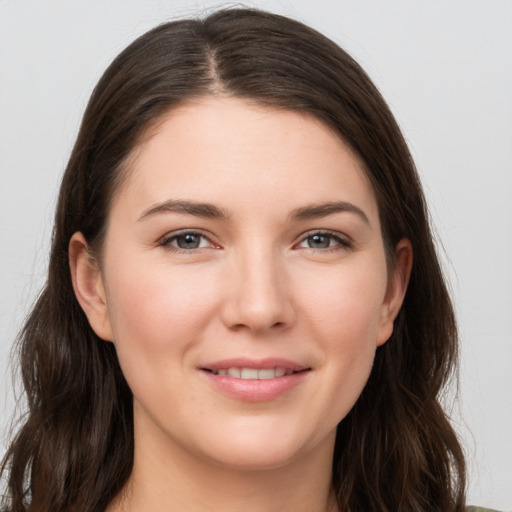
(244, 307)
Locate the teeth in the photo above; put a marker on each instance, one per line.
(280, 372)
(248, 373)
(253, 373)
(234, 372)
(267, 374)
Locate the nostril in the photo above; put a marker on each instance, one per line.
(250, 308)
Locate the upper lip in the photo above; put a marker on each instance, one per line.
(259, 364)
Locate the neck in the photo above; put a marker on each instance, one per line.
(173, 480)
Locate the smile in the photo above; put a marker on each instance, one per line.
(253, 373)
(255, 380)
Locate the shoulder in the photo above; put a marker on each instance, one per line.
(479, 509)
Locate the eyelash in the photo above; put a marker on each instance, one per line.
(341, 242)
(166, 242)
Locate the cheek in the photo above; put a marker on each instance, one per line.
(341, 310)
(346, 303)
(158, 312)
(344, 310)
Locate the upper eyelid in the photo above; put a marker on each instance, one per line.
(327, 232)
(343, 242)
(165, 240)
(197, 231)
(186, 231)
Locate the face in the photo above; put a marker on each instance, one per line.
(243, 281)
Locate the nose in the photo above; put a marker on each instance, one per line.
(259, 297)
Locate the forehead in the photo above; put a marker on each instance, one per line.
(241, 155)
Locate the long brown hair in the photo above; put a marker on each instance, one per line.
(395, 451)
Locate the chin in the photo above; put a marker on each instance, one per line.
(258, 449)
(252, 458)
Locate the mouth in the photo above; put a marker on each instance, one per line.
(255, 380)
(254, 373)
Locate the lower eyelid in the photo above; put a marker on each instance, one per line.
(167, 240)
(342, 242)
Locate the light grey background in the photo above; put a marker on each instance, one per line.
(445, 68)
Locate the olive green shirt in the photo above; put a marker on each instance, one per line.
(479, 509)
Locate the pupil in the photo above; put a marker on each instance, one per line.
(319, 242)
(188, 241)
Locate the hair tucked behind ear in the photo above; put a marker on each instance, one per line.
(396, 450)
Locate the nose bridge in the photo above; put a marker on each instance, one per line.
(260, 294)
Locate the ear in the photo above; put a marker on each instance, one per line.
(396, 288)
(88, 286)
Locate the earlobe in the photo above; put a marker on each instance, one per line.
(396, 289)
(88, 286)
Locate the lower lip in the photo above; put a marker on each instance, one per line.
(255, 390)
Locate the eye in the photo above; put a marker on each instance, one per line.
(322, 240)
(186, 241)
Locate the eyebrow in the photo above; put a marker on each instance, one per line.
(317, 211)
(211, 211)
(188, 207)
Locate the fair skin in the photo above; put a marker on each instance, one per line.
(284, 271)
